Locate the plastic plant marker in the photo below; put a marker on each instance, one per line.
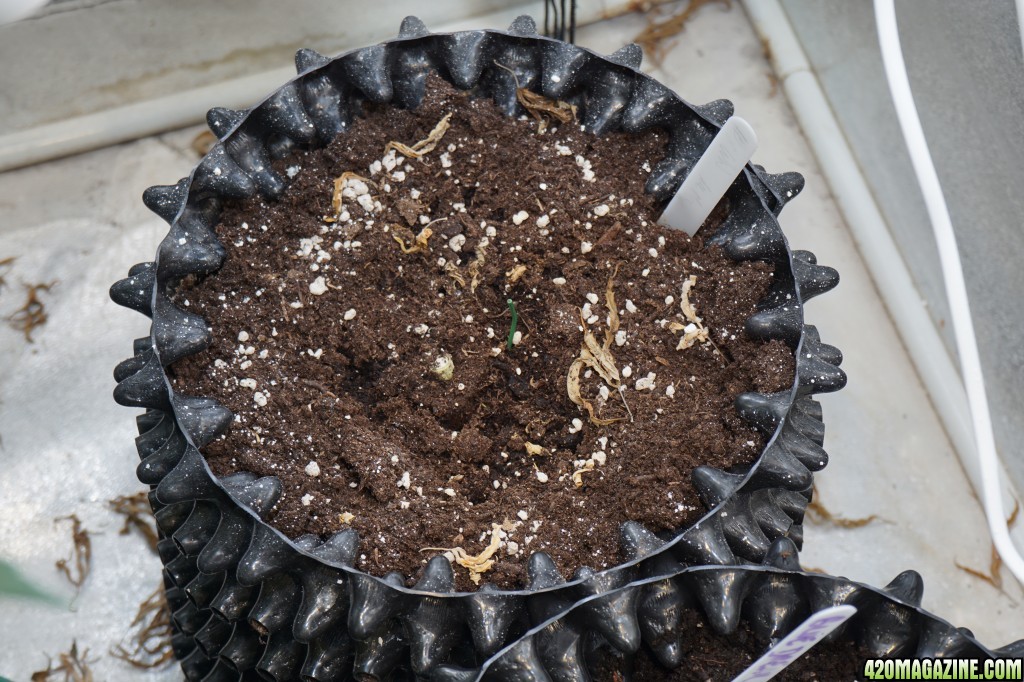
(711, 176)
(795, 644)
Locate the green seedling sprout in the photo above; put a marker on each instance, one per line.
(515, 321)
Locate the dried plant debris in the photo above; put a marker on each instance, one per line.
(77, 566)
(72, 666)
(597, 357)
(32, 314)
(5, 267)
(994, 577)
(149, 636)
(652, 38)
(817, 510)
(424, 146)
(419, 243)
(138, 515)
(694, 330)
(577, 476)
(348, 185)
(203, 143)
(476, 564)
(540, 106)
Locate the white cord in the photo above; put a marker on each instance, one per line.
(956, 290)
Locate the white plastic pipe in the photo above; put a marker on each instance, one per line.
(928, 352)
(956, 288)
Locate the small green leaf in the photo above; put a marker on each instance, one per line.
(13, 584)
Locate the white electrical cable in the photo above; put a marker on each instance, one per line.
(956, 289)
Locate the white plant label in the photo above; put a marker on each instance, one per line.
(711, 176)
(795, 644)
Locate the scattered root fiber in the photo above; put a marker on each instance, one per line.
(72, 666)
(76, 567)
(149, 636)
(137, 515)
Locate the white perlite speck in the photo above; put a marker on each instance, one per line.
(248, 383)
(586, 247)
(307, 499)
(405, 481)
(601, 210)
(544, 220)
(318, 286)
(592, 297)
(520, 218)
(260, 399)
(420, 329)
(630, 306)
(620, 337)
(312, 469)
(558, 281)
(350, 314)
(243, 336)
(670, 391)
(627, 371)
(646, 383)
(456, 242)
(522, 514)
(541, 476)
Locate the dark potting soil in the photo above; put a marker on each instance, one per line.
(709, 656)
(369, 364)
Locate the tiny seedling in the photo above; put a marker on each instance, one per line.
(515, 322)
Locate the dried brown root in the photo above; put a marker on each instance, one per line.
(33, 313)
(203, 143)
(77, 566)
(138, 515)
(821, 514)
(994, 577)
(74, 667)
(424, 146)
(538, 105)
(419, 244)
(5, 265)
(341, 183)
(149, 636)
(598, 357)
(652, 38)
(694, 330)
(577, 476)
(477, 564)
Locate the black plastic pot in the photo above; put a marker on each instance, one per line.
(772, 599)
(248, 598)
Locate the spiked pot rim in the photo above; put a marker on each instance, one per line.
(748, 509)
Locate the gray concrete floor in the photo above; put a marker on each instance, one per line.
(67, 448)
